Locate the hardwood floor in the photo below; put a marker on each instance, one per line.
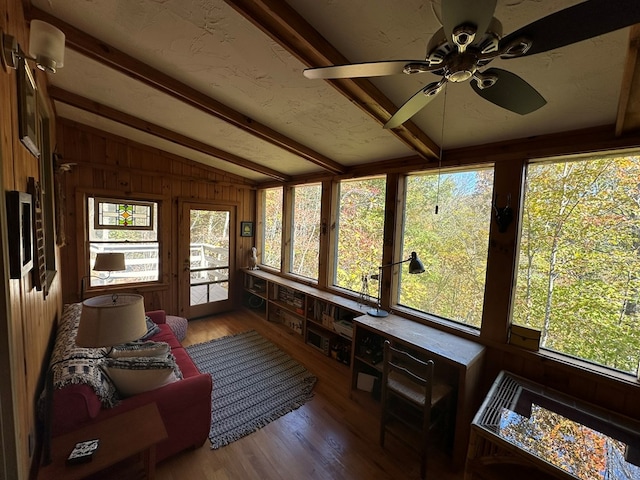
(331, 437)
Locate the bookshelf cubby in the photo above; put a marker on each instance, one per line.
(323, 320)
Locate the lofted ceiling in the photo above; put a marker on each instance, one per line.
(221, 82)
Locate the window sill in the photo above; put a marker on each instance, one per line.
(126, 287)
(547, 356)
(438, 322)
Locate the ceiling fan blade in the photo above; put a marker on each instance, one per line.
(510, 92)
(574, 24)
(371, 69)
(475, 12)
(415, 104)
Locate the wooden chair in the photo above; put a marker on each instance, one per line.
(412, 399)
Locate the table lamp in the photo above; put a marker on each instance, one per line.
(109, 320)
(105, 262)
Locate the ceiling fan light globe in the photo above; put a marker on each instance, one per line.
(459, 77)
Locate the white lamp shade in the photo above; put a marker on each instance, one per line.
(46, 45)
(109, 262)
(108, 320)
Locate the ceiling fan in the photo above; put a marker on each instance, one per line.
(471, 37)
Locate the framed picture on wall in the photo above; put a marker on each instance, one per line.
(27, 115)
(246, 229)
(19, 216)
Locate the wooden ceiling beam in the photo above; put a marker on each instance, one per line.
(283, 24)
(628, 117)
(593, 140)
(101, 52)
(96, 108)
(586, 141)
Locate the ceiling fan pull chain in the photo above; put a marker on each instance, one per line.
(444, 114)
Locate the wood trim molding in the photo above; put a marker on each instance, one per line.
(628, 117)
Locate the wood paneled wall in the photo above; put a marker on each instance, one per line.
(27, 319)
(603, 390)
(110, 165)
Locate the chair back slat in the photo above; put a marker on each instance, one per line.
(411, 380)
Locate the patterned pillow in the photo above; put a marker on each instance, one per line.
(141, 349)
(152, 329)
(133, 375)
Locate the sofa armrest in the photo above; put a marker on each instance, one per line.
(158, 316)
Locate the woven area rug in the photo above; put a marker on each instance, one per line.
(254, 383)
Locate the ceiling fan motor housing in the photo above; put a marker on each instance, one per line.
(460, 67)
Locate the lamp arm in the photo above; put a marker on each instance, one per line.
(379, 304)
(394, 263)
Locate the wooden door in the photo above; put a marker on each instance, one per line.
(206, 241)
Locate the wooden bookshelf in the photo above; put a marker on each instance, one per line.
(459, 361)
(323, 320)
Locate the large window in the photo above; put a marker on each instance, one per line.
(360, 232)
(127, 226)
(452, 243)
(579, 267)
(272, 222)
(306, 230)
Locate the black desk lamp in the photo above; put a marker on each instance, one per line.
(415, 266)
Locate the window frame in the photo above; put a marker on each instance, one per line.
(163, 217)
(508, 182)
(262, 225)
(291, 226)
(397, 272)
(335, 238)
(565, 357)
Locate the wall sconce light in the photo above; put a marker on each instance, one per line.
(46, 47)
(415, 266)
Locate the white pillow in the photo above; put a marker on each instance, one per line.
(133, 375)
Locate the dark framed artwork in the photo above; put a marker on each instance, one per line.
(27, 115)
(246, 229)
(19, 218)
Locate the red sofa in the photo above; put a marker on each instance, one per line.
(185, 405)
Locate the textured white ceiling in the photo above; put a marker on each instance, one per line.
(210, 47)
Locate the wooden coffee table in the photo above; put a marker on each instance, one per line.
(127, 446)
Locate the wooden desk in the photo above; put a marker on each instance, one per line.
(131, 434)
(458, 359)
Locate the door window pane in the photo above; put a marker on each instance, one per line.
(452, 244)
(209, 256)
(578, 271)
